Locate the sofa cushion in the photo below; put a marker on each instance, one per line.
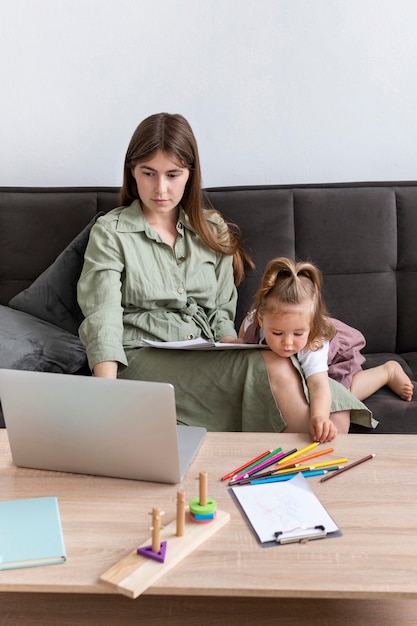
(29, 343)
(52, 297)
(395, 416)
(351, 234)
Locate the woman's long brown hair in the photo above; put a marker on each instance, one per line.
(172, 134)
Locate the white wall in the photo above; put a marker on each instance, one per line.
(277, 91)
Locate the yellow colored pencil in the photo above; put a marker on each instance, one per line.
(300, 452)
(305, 458)
(302, 468)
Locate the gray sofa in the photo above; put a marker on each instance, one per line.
(362, 236)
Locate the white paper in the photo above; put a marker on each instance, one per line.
(200, 344)
(290, 507)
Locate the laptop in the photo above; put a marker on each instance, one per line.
(116, 428)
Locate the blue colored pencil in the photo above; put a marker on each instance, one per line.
(283, 477)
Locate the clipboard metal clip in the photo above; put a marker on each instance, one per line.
(301, 534)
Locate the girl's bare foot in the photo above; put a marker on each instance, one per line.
(398, 381)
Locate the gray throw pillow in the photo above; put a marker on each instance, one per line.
(52, 297)
(28, 343)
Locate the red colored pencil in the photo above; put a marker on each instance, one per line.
(239, 469)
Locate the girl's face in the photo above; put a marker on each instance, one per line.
(161, 183)
(286, 333)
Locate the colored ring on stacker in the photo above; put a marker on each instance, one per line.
(199, 509)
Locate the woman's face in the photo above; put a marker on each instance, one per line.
(161, 183)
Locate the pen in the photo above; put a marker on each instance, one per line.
(302, 450)
(246, 465)
(343, 469)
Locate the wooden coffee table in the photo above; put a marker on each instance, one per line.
(368, 575)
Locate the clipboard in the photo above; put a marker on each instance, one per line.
(285, 512)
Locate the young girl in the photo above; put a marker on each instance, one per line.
(164, 265)
(290, 317)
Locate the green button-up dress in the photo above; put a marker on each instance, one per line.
(133, 286)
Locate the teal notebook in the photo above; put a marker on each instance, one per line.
(30, 533)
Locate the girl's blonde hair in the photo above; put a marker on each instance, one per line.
(172, 134)
(286, 282)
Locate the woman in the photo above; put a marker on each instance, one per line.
(165, 266)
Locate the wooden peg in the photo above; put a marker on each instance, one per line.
(180, 513)
(203, 508)
(157, 549)
(203, 488)
(156, 529)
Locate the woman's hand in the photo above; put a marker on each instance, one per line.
(230, 339)
(105, 369)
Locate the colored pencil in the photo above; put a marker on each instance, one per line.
(300, 468)
(302, 450)
(249, 472)
(302, 459)
(248, 477)
(277, 479)
(246, 465)
(255, 480)
(245, 477)
(343, 469)
(292, 467)
(275, 455)
(252, 480)
(265, 463)
(287, 454)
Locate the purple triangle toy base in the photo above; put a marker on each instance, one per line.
(150, 554)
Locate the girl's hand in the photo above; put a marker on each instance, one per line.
(322, 429)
